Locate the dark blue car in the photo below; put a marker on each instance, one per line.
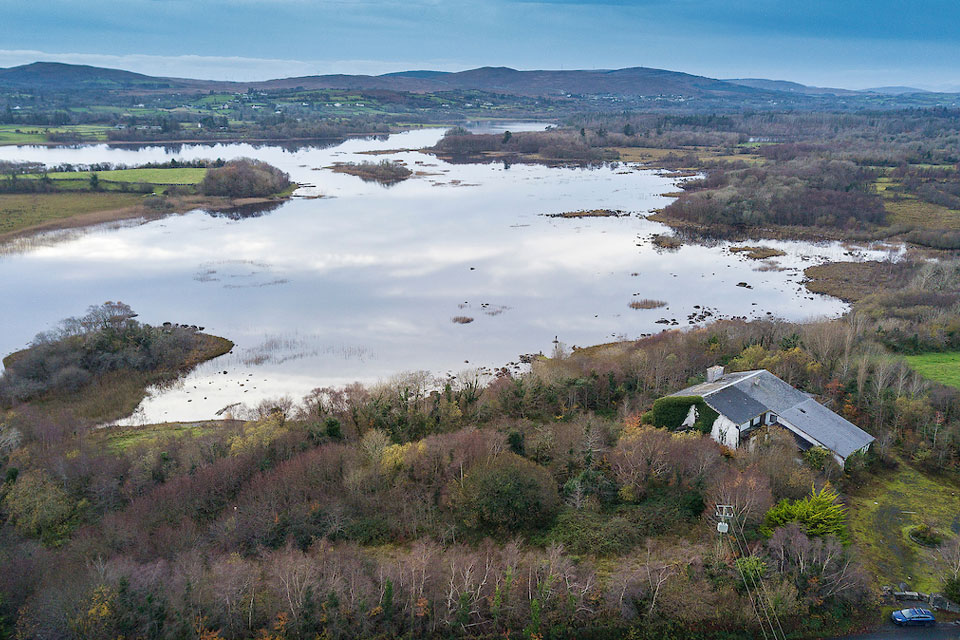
(913, 618)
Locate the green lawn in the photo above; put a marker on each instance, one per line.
(153, 176)
(882, 512)
(34, 134)
(941, 367)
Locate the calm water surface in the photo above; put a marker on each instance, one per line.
(363, 283)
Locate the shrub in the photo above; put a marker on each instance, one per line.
(818, 515)
(751, 566)
(40, 508)
(107, 339)
(816, 457)
(951, 589)
(583, 532)
(647, 303)
(506, 493)
(244, 178)
(368, 530)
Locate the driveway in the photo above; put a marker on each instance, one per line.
(943, 631)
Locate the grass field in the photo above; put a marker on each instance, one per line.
(909, 210)
(21, 211)
(153, 176)
(33, 134)
(941, 367)
(882, 511)
(122, 438)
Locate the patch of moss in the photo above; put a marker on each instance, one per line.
(884, 509)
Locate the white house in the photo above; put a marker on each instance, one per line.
(747, 400)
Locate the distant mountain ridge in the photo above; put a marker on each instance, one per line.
(790, 87)
(635, 81)
(796, 87)
(61, 76)
(628, 82)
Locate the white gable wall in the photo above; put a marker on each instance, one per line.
(726, 431)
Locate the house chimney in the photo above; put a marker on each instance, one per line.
(714, 373)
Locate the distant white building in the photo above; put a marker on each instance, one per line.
(748, 400)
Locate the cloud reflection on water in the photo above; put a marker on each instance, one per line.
(363, 283)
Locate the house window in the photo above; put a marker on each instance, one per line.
(756, 422)
(771, 418)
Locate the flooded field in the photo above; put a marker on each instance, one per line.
(459, 267)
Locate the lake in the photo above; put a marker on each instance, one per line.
(364, 283)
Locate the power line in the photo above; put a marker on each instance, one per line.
(758, 579)
(753, 601)
(760, 598)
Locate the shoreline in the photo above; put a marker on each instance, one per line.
(206, 141)
(179, 206)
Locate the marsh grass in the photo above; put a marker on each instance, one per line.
(758, 253)
(647, 303)
(21, 211)
(852, 281)
(119, 439)
(178, 176)
(666, 242)
(589, 213)
(277, 349)
(385, 172)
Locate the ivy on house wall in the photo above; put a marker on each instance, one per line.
(671, 411)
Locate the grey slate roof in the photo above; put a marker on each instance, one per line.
(736, 395)
(735, 404)
(705, 388)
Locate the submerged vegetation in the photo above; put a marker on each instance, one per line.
(589, 213)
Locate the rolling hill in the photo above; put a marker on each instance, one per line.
(56, 76)
(630, 83)
(790, 87)
(636, 81)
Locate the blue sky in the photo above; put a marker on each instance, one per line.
(847, 43)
